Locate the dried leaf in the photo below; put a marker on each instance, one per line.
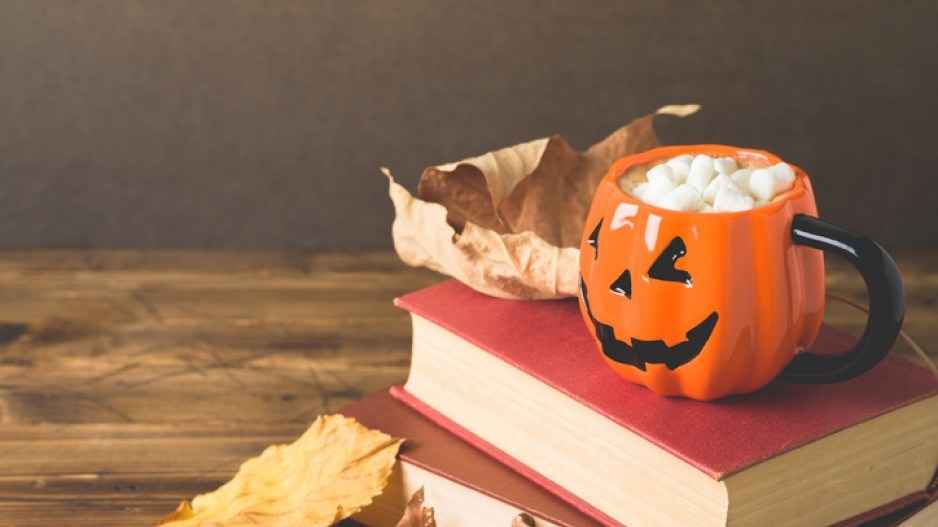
(505, 265)
(416, 515)
(508, 223)
(333, 470)
(183, 512)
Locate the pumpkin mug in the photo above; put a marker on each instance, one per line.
(709, 304)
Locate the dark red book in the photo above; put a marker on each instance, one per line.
(465, 486)
(524, 382)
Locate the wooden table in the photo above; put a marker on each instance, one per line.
(132, 380)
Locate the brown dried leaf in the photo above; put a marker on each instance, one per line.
(333, 470)
(508, 223)
(416, 515)
(504, 265)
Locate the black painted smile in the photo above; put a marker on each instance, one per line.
(642, 352)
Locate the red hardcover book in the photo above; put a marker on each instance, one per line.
(482, 364)
(465, 486)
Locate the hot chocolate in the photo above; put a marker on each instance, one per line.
(708, 184)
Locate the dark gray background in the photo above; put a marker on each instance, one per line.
(238, 124)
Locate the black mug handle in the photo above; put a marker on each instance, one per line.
(887, 303)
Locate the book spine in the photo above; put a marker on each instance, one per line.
(405, 397)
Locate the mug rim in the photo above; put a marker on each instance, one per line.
(622, 165)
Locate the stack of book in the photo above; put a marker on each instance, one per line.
(512, 410)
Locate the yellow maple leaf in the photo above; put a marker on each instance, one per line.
(333, 470)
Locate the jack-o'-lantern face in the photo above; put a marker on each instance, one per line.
(697, 304)
(640, 352)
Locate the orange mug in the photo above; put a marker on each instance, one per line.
(709, 304)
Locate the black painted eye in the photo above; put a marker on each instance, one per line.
(623, 285)
(663, 268)
(593, 239)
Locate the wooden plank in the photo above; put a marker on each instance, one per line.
(128, 474)
(132, 379)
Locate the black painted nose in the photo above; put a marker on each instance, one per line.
(623, 285)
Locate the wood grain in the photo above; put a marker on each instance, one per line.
(132, 380)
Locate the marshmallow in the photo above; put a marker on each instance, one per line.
(657, 189)
(729, 200)
(639, 190)
(679, 168)
(702, 163)
(705, 184)
(725, 165)
(701, 172)
(718, 183)
(661, 172)
(765, 183)
(741, 178)
(762, 184)
(684, 198)
(784, 171)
